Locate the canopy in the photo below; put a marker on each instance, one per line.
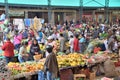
(64, 3)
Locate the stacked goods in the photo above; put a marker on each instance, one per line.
(97, 58)
(17, 68)
(72, 59)
(4, 72)
(92, 44)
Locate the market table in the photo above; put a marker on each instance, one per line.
(25, 75)
(66, 72)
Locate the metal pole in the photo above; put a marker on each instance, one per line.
(81, 10)
(6, 9)
(49, 11)
(106, 11)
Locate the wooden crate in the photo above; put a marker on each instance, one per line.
(92, 76)
(66, 74)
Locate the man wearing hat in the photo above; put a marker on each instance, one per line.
(51, 65)
(49, 42)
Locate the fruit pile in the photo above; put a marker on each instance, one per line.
(72, 59)
(97, 58)
(17, 68)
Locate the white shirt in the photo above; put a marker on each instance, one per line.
(71, 41)
(22, 51)
(69, 34)
(106, 44)
(115, 46)
(54, 36)
(46, 53)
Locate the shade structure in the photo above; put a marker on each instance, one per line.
(64, 3)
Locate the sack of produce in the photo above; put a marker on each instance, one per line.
(109, 71)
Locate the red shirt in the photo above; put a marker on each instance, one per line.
(96, 50)
(8, 49)
(32, 33)
(76, 45)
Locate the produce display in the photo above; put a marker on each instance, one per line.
(99, 57)
(93, 44)
(17, 68)
(72, 59)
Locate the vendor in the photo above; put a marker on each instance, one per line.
(8, 48)
(51, 64)
(34, 48)
(23, 55)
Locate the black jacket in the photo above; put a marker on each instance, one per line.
(34, 48)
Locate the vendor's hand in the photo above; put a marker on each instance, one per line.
(36, 53)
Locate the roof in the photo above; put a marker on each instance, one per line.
(66, 3)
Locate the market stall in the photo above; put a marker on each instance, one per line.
(68, 64)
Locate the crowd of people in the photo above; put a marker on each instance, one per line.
(77, 35)
(50, 40)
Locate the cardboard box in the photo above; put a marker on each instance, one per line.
(92, 76)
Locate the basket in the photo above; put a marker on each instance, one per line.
(37, 57)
